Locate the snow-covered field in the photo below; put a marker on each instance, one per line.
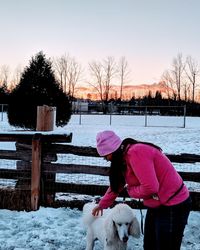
(62, 229)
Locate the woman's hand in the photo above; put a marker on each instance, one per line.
(96, 210)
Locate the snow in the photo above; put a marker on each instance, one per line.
(61, 228)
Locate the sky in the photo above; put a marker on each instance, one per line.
(149, 33)
(62, 228)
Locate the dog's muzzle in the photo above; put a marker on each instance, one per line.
(125, 239)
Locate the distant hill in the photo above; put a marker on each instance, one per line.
(128, 91)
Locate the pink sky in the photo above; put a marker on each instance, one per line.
(148, 33)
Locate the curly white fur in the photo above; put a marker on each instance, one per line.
(112, 229)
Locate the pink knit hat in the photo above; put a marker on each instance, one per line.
(107, 142)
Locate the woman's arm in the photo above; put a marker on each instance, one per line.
(108, 199)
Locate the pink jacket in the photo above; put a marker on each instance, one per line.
(149, 173)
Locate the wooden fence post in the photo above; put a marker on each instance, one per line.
(46, 117)
(36, 171)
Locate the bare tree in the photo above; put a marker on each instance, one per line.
(4, 75)
(178, 67)
(166, 77)
(96, 72)
(73, 75)
(16, 77)
(186, 89)
(123, 73)
(102, 75)
(69, 72)
(192, 71)
(61, 69)
(110, 71)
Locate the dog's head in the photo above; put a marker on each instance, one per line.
(122, 230)
(123, 223)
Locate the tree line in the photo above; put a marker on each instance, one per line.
(170, 106)
(181, 79)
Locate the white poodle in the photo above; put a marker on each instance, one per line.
(112, 229)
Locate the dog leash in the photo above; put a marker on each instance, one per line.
(142, 219)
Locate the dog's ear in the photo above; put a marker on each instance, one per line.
(110, 229)
(134, 228)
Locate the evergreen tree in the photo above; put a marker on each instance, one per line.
(158, 98)
(37, 87)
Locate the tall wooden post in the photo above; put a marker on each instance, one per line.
(36, 171)
(46, 117)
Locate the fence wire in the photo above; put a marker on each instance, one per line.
(7, 183)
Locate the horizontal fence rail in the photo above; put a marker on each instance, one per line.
(46, 187)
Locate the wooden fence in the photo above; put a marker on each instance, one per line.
(36, 168)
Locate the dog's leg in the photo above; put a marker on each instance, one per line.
(116, 245)
(108, 245)
(89, 240)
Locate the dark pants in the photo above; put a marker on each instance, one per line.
(164, 226)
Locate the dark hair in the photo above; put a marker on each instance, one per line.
(118, 165)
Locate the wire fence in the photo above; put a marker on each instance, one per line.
(169, 116)
(133, 120)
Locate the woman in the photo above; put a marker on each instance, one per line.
(147, 174)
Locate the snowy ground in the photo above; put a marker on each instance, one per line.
(62, 229)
